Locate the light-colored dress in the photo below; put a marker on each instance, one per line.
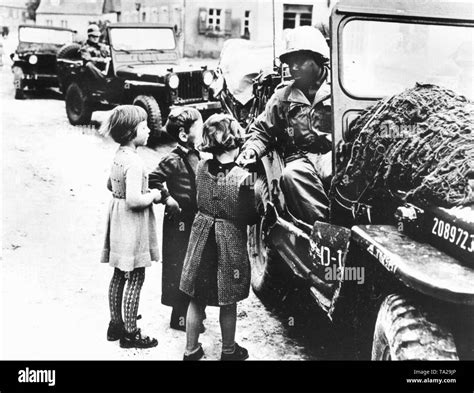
(130, 239)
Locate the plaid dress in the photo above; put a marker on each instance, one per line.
(216, 268)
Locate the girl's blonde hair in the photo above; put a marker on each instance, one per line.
(122, 123)
(221, 133)
(182, 117)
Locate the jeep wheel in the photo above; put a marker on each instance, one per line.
(154, 115)
(269, 274)
(403, 332)
(77, 109)
(18, 83)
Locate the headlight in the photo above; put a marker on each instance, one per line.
(173, 81)
(207, 77)
(32, 59)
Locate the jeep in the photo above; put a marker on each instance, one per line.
(145, 69)
(417, 297)
(34, 61)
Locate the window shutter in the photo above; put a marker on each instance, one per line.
(202, 20)
(228, 21)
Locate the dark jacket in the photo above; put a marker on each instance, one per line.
(180, 183)
(177, 170)
(291, 124)
(96, 53)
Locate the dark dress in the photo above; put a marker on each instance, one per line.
(178, 170)
(216, 270)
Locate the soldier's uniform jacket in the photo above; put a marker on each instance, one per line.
(292, 124)
(91, 51)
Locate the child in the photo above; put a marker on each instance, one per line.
(178, 170)
(131, 240)
(216, 269)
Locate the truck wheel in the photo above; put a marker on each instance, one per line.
(154, 115)
(403, 332)
(18, 83)
(77, 109)
(269, 274)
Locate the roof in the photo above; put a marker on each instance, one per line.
(73, 7)
(437, 9)
(12, 4)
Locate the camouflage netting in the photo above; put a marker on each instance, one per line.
(417, 146)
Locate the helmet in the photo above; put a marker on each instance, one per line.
(93, 30)
(305, 38)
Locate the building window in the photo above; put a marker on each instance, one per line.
(214, 19)
(295, 15)
(64, 23)
(143, 16)
(246, 25)
(49, 22)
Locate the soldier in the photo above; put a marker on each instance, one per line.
(95, 54)
(296, 122)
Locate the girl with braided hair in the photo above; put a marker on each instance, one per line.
(131, 240)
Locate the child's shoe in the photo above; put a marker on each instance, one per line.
(239, 353)
(195, 355)
(115, 331)
(137, 340)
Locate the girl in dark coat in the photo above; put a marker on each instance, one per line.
(216, 269)
(178, 171)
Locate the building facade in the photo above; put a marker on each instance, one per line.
(204, 25)
(12, 14)
(76, 15)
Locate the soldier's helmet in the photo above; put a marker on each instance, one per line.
(305, 39)
(93, 30)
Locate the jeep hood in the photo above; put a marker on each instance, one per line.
(37, 48)
(153, 72)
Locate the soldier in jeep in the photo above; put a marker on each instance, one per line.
(297, 122)
(95, 54)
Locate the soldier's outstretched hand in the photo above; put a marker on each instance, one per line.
(247, 157)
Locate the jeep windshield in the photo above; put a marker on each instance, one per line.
(45, 36)
(383, 58)
(144, 39)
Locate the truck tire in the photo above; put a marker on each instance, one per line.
(154, 115)
(18, 83)
(269, 273)
(403, 332)
(70, 51)
(78, 110)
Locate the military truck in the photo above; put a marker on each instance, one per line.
(145, 69)
(34, 61)
(414, 298)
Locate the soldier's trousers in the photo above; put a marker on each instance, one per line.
(302, 184)
(95, 73)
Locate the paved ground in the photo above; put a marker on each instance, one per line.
(54, 291)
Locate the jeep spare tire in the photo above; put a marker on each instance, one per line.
(78, 110)
(70, 51)
(154, 115)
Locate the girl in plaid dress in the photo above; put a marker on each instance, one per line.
(216, 268)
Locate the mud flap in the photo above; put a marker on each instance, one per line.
(329, 245)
